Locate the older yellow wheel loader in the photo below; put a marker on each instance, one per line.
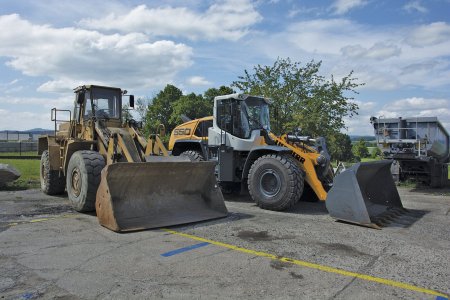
(276, 170)
(105, 164)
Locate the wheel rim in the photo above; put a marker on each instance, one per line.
(76, 182)
(270, 183)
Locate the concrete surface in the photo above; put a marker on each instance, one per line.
(49, 251)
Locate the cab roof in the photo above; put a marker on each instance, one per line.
(90, 86)
(239, 96)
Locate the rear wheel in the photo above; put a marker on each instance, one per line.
(193, 155)
(52, 181)
(275, 182)
(83, 179)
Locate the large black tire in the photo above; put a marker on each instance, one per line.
(53, 182)
(193, 155)
(83, 179)
(275, 182)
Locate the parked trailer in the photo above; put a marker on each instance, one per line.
(419, 147)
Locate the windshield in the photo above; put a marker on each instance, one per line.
(254, 115)
(105, 103)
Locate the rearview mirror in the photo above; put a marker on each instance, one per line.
(132, 101)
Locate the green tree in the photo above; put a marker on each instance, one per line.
(213, 92)
(141, 107)
(126, 115)
(160, 109)
(360, 149)
(302, 98)
(340, 147)
(192, 105)
(376, 152)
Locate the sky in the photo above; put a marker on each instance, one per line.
(399, 49)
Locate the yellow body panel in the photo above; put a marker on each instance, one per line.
(308, 158)
(186, 131)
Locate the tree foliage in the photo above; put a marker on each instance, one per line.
(360, 149)
(160, 109)
(302, 97)
(340, 147)
(376, 152)
(169, 104)
(213, 92)
(192, 105)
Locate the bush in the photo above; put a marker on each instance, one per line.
(376, 152)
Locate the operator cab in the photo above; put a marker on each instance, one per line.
(99, 102)
(240, 114)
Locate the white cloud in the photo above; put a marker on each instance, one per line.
(329, 36)
(417, 104)
(429, 35)
(28, 120)
(381, 57)
(418, 107)
(70, 56)
(377, 80)
(230, 19)
(341, 7)
(414, 6)
(405, 108)
(359, 124)
(198, 81)
(377, 51)
(62, 102)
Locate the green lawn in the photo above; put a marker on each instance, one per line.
(25, 153)
(29, 170)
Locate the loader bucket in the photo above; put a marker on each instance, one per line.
(365, 194)
(164, 192)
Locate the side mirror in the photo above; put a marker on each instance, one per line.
(80, 97)
(132, 101)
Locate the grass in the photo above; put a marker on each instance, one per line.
(24, 153)
(29, 170)
(368, 159)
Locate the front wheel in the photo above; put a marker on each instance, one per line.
(83, 179)
(52, 181)
(275, 182)
(193, 155)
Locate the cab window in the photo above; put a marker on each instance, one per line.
(202, 128)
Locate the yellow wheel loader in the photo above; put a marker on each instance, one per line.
(105, 164)
(277, 169)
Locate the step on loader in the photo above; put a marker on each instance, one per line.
(106, 164)
(276, 170)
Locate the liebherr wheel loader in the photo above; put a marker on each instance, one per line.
(277, 169)
(105, 164)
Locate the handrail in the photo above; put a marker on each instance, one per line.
(54, 119)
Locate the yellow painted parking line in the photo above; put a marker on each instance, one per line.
(40, 220)
(313, 265)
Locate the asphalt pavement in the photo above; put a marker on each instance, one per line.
(48, 251)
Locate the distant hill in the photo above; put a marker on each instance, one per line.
(37, 130)
(34, 130)
(367, 138)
